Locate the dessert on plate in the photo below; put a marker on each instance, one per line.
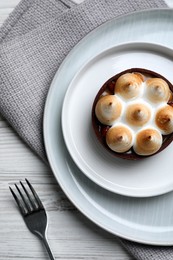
(132, 114)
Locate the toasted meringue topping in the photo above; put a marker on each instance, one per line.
(108, 109)
(119, 139)
(138, 114)
(157, 90)
(148, 142)
(164, 119)
(129, 85)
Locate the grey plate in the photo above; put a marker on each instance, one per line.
(147, 220)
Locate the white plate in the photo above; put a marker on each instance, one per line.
(146, 220)
(143, 178)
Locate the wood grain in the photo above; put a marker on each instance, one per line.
(68, 228)
(71, 235)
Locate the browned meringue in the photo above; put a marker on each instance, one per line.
(128, 85)
(157, 90)
(119, 139)
(140, 124)
(137, 114)
(148, 142)
(108, 109)
(164, 119)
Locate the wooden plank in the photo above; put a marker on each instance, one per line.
(71, 235)
(68, 228)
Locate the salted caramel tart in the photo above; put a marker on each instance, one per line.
(132, 114)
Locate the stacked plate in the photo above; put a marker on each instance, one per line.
(132, 199)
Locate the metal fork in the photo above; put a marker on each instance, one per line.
(33, 212)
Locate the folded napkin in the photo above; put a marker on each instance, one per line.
(33, 42)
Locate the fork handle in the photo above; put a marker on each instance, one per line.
(48, 248)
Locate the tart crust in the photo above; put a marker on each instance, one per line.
(101, 129)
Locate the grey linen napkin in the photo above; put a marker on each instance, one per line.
(33, 42)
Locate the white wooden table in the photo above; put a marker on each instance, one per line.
(71, 235)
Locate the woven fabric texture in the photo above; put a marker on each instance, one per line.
(29, 14)
(29, 61)
(34, 41)
(145, 252)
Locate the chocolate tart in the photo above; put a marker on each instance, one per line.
(101, 129)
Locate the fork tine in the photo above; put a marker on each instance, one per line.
(35, 195)
(23, 199)
(21, 207)
(30, 200)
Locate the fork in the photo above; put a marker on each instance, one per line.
(33, 212)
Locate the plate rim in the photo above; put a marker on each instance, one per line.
(50, 160)
(133, 192)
